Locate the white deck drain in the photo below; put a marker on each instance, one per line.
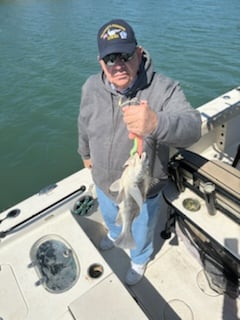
(177, 309)
(204, 286)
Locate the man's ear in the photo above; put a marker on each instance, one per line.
(139, 52)
(102, 64)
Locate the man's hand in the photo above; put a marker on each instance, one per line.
(140, 120)
(87, 163)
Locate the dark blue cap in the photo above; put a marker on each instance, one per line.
(116, 36)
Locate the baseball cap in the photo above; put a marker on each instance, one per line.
(116, 36)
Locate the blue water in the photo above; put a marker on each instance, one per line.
(48, 49)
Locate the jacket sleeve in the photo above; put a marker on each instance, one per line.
(179, 125)
(83, 141)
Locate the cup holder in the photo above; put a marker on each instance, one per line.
(95, 271)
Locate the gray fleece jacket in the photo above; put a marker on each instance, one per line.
(103, 136)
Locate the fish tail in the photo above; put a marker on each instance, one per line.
(125, 241)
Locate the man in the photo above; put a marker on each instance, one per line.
(110, 117)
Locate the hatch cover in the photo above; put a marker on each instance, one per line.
(55, 263)
(11, 294)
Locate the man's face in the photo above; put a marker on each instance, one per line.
(122, 73)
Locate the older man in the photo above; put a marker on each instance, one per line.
(162, 117)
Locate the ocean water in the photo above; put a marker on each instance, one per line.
(48, 49)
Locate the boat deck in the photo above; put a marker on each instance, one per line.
(174, 285)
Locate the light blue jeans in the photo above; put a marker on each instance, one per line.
(143, 226)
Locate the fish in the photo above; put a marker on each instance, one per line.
(132, 189)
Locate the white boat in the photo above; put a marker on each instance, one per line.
(51, 268)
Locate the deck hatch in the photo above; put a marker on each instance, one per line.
(55, 263)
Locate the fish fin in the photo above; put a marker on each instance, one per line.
(120, 196)
(125, 241)
(149, 184)
(118, 220)
(115, 186)
(153, 180)
(146, 183)
(137, 196)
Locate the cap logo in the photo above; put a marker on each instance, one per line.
(114, 31)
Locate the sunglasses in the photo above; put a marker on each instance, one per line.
(110, 59)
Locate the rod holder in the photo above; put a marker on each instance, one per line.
(210, 197)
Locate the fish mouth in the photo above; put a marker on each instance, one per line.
(143, 156)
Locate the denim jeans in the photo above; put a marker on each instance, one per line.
(142, 228)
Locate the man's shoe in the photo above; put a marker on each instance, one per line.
(106, 244)
(135, 273)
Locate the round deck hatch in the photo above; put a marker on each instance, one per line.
(55, 263)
